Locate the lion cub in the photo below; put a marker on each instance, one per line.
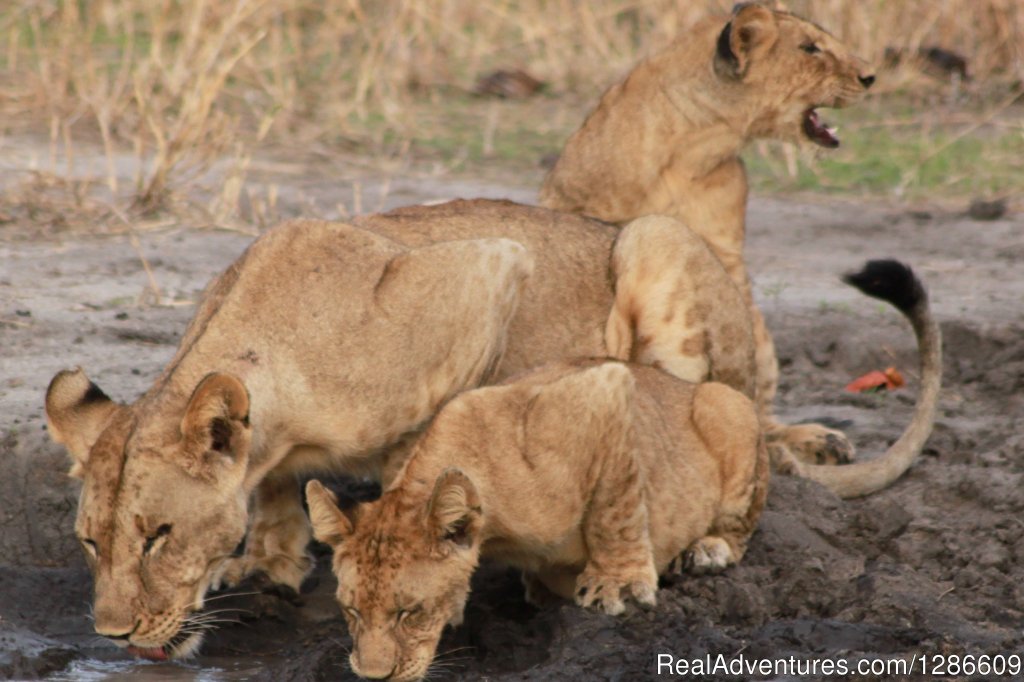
(592, 477)
(667, 141)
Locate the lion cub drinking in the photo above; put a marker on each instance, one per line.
(592, 477)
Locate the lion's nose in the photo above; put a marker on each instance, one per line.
(113, 630)
(866, 81)
(114, 635)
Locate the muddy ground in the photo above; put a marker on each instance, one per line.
(931, 566)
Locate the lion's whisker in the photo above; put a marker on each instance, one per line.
(229, 595)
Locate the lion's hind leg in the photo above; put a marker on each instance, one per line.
(709, 554)
(676, 307)
(727, 423)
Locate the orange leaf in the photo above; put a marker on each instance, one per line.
(877, 380)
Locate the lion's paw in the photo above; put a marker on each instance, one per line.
(606, 593)
(644, 593)
(231, 572)
(277, 570)
(782, 460)
(812, 444)
(709, 554)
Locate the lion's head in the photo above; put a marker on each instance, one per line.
(162, 504)
(789, 68)
(403, 565)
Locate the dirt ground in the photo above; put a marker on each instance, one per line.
(931, 566)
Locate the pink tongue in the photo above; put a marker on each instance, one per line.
(820, 132)
(152, 654)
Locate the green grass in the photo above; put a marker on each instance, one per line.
(468, 133)
(886, 152)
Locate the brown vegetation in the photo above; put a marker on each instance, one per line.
(175, 87)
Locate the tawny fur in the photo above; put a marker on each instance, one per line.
(344, 342)
(592, 477)
(666, 140)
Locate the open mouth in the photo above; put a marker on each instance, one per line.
(165, 652)
(150, 653)
(818, 131)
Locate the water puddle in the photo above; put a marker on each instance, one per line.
(202, 669)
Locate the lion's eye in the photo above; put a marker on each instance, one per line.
(90, 546)
(409, 616)
(161, 531)
(810, 48)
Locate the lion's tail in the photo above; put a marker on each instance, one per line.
(894, 282)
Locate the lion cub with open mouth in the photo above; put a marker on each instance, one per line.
(591, 476)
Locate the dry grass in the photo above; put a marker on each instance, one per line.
(177, 88)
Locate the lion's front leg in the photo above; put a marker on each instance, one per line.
(278, 535)
(621, 560)
(616, 571)
(791, 445)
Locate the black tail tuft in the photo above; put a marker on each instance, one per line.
(889, 280)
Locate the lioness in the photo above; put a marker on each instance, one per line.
(666, 140)
(592, 477)
(313, 351)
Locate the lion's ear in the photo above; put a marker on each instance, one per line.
(750, 34)
(330, 525)
(216, 424)
(454, 512)
(77, 411)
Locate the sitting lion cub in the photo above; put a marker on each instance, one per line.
(667, 141)
(592, 477)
